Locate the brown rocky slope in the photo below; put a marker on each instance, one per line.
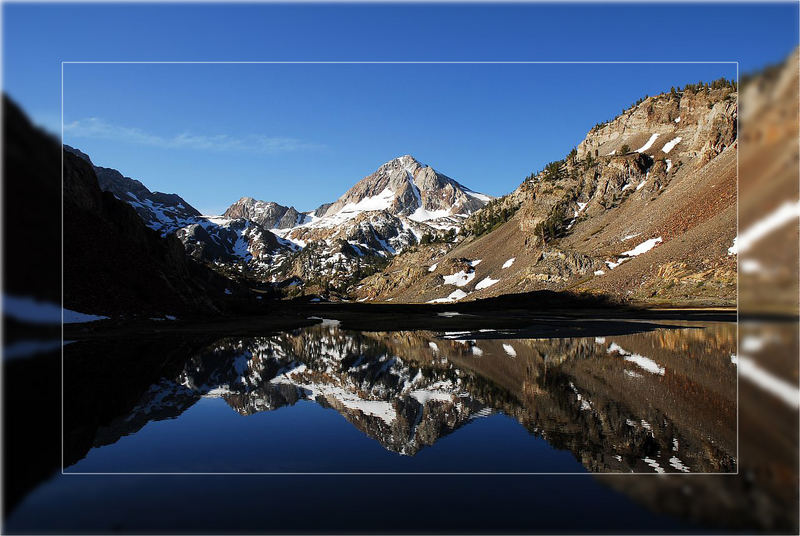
(643, 210)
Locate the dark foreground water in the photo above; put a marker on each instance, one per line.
(443, 406)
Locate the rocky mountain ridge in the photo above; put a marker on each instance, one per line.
(398, 206)
(267, 214)
(165, 213)
(644, 209)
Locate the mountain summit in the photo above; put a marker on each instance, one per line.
(402, 204)
(404, 186)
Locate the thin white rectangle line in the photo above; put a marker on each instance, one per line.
(411, 62)
(438, 62)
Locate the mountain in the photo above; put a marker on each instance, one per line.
(238, 241)
(412, 198)
(265, 213)
(113, 264)
(165, 213)
(239, 238)
(768, 187)
(644, 209)
(405, 187)
(400, 205)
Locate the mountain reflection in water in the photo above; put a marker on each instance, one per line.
(654, 401)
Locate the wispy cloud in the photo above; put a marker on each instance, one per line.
(97, 128)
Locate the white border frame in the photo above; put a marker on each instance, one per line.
(355, 62)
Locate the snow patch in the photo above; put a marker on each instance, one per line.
(459, 279)
(750, 266)
(483, 197)
(424, 396)
(784, 214)
(786, 391)
(643, 362)
(677, 464)
(510, 350)
(382, 201)
(456, 295)
(647, 145)
(671, 144)
(508, 263)
(654, 464)
(752, 344)
(486, 283)
(421, 214)
(644, 247)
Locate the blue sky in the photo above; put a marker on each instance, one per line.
(302, 134)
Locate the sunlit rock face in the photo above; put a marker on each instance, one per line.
(383, 214)
(643, 210)
(403, 186)
(267, 214)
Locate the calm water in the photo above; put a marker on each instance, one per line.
(326, 400)
(323, 399)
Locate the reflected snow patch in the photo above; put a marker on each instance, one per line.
(643, 362)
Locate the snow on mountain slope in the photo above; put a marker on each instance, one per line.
(393, 208)
(161, 212)
(405, 187)
(236, 239)
(226, 240)
(399, 205)
(564, 226)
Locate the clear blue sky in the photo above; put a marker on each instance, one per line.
(302, 134)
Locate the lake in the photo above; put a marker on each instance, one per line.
(323, 399)
(325, 428)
